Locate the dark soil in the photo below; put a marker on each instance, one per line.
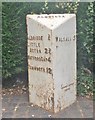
(15, 81)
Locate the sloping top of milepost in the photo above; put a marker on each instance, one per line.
(51, 21)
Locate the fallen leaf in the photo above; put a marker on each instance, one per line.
(16, 108)
(32, 105)
(3, 109)
(32, 115)
(49, 115)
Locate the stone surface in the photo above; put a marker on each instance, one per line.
(82, 108)
(52, 60)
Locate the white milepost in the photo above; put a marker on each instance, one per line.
(52, 60)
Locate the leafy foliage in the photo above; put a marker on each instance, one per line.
(85, 82)
(85, 35)
(14, 37)
(85, 48)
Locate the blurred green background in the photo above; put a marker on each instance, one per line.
(14, 38)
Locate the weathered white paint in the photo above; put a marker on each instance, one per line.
(54, 90)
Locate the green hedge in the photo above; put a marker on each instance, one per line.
(14, 36)
(14, 32)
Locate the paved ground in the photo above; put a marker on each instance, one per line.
(18, 106)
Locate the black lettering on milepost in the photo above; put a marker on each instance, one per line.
(35, 50)
(49, 70)
(40, 69)
(35, 37)
(47, 50)
(40, 58)
(48, 36)
(56, 39)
